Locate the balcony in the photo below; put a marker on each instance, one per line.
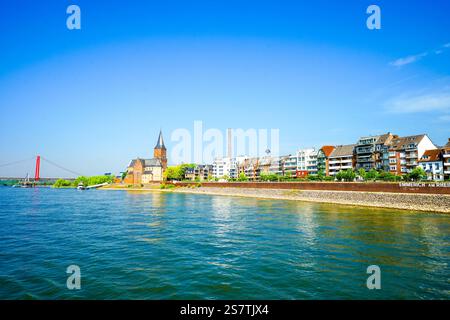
(364, 150)
(446, 155)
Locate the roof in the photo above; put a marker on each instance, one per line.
(343, 151)
(327, 150)
(154, 162)
(431, 155)
(160, 142)
(133, 162)
(379, 139)
(447, 146)
(386, 138)
(400, 143)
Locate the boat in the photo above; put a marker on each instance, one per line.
(81, 186)
(25, 183)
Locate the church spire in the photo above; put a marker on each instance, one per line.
(160, 143)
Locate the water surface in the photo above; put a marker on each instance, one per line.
(182, 246)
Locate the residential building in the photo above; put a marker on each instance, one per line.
(307, 161)
(405, 152)
(221, 167)
(265, 164)
(253, 167)
(288, 163)
(370, 151)
(342, 158)
(432, 164)
(446, 160)
(239, 167)
(224, 167)
(323, 159)
(302, 163)
(200, 172)
(141, 171)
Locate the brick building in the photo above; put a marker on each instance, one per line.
(142, 171)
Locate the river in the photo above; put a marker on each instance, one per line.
(133, 245)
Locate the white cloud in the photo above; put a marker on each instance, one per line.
(420, 103)
(407, 60)
(414, 58)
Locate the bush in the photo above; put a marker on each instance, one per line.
(387, 176)
(372, 175)
(416, 174)
(166, 186)
(347, 175)
(242, 177)
(93, 180)
(269, 177)
(362, 173)
(62, 183)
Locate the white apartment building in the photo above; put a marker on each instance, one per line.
(307, 160)
(304, 160)
(224, 167)
(227, 166)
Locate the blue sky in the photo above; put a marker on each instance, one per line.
(94, 98)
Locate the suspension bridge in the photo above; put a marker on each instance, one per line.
(37, 169)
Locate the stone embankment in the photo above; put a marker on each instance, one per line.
(415, 202)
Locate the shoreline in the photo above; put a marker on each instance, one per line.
(436, 203)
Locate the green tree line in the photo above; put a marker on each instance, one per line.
(87, 181)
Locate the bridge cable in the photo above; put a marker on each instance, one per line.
(61, 167)
(16, 162)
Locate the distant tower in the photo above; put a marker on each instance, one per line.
(160, 151)
(229, 145)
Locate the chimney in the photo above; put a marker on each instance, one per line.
(229, 146)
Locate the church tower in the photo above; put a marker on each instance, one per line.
(160, 151)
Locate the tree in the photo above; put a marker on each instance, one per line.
(362, 173)
(372, 174)
(268, 176)
(62, 183)
(417, 174)
(242, 177)
(320, 175)
(347, 175)
(387, 176)
(177, 172)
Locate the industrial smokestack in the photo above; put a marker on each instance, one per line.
(229, 145)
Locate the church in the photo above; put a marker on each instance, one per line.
(143, 171)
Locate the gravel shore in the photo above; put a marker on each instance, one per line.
(415, 202)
